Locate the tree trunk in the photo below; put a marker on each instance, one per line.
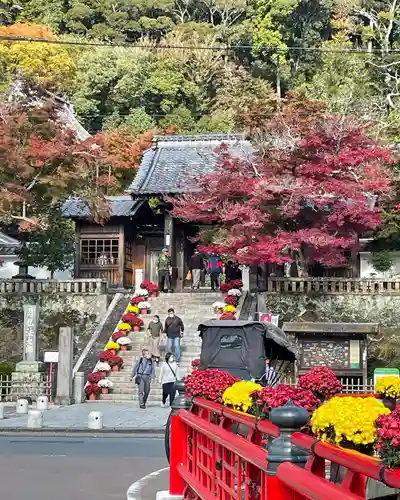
(301, 264)
(51, 275)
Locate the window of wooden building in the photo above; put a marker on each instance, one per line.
(99, 252)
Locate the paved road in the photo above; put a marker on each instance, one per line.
(103, 468)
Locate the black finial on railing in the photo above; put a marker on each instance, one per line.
(289, 418)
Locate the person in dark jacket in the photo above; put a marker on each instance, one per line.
(174, 329)
(229, 271)
(215, 268)
(196, 266)
(143, 372)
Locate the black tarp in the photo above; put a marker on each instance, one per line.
(240, 347)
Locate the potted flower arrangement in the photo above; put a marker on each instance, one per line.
(153, 290)
(274, 397)
(124, 326)
(349, 422)
(388, 388)
(136, 299)
(144, 307)
(143, 292)
(128, 318)
(125, 343)
(225, 287)
(209, 384)
(137, 324)
(112, 346)
(218, 307)
(234, 292)
(117, 335)
(229, 309)
(238, 395)
(388, 438)
(105, 385)
(322, 382)
(116, 363)
(95, 377)
(106, 355)
(238, 284)
(227, 317)
(145, 284)
(102, 366)
(92, 391)
(133, 308)
(231, 300)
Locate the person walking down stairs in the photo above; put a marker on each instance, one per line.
(143, 373)
(169, 374)
(174, 329)
(154, 331)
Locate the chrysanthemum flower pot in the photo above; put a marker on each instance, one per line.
(124, 348)
(92, 397)
(136, 328)
(115, 368)
(105, 390)
(143, 311)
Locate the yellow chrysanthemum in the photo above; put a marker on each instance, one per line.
(388, 386)
(132, 309)
(124, 326)
(229, 309)
(112, 345)
(348, 419)
(238, 395)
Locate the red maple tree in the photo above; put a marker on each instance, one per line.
(43, 163)
(305, 202)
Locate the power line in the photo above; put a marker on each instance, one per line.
(219, 48)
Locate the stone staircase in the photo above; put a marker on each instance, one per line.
(193, 308)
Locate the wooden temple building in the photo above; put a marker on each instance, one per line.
(125, 249)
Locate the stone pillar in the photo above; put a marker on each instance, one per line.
(79, 384)
(246, 278)
(28, 379)
(35, 419)
(289, 419)
(64, 368)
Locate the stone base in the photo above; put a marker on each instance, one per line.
(29, 367)
(166, 495)
(63, 400)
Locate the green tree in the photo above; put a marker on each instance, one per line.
(52, 247)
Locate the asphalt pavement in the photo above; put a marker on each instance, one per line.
(81, 468)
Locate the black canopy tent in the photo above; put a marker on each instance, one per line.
(241, 347)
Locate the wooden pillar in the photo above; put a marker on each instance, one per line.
(121, 255)
(77, 250)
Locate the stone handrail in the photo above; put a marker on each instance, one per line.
(80, 286)
(336, 286)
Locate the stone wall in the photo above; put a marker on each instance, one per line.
(81, 312)
(350, 308)
(382, 309)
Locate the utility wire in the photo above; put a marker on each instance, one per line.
(221, 48)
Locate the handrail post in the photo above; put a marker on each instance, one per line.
(177, 437)
(289, 418)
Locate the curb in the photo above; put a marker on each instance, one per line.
(83, 430)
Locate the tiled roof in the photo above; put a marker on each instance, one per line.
(173, 163)
(8, 245)
(120, 206)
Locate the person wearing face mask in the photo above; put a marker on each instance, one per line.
(174, 329)
(143, 372)
(169, 374)
(154, 330)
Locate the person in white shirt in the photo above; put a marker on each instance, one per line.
(169, 374)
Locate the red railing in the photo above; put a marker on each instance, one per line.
(218, 453)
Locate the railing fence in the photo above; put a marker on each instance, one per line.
(354, 286)
(351, 385)
(12, 390)
(83, 286)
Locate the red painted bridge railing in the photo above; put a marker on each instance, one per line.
(217, 453)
